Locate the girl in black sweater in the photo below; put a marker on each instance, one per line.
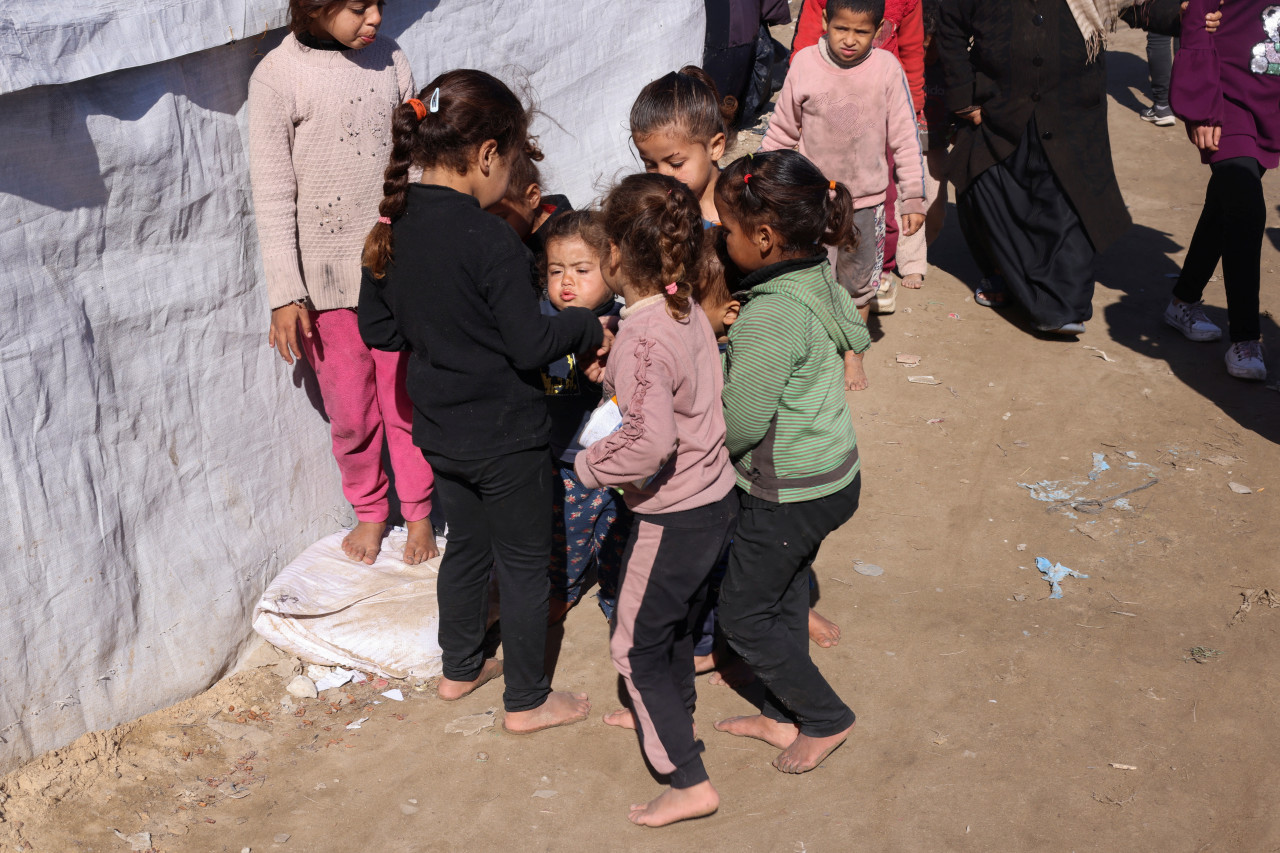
(457, 292)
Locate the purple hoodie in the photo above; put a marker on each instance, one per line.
(1231, 78)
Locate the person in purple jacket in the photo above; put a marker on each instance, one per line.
(1226, 87)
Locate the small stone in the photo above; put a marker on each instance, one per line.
(544, 794)
(482, 756)
(1239, 488)
(405, 808)
(287, 668)
(264, 655)
(1022, 546)
(140, 778)
(302, 687)
(246, 850)
(281, 838)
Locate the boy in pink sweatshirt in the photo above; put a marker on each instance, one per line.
(844, 104)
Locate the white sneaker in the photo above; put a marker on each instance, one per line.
(885, 300)
(1189, 318)
(1246, 360)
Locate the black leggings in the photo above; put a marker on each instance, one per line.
(1230, 229)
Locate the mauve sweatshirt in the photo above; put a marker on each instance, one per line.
(1231, 78)
(667, 377)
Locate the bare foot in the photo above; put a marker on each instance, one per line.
(623, 718)
(703, 664)
(822, 630)
(676, 804)
(806, 753)
(855, 378)
(364, 541)
(760, 727)
(560, 709)
(449, 690)
(556, 610)
(915, 281)
(421, 544)
(735, 673)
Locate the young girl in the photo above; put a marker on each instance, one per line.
(669, 458)
(453, 285)
(680, 126)
(1226, 87)
(320, 110)
(524, 207)
(791, 438)
(590, 525)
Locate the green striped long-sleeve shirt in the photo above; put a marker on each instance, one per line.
(790, 433)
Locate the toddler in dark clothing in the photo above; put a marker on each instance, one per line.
(590, 525)
(524, 207)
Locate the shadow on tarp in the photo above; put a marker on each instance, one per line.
(1139, 266)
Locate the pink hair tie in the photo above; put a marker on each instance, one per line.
(671, 289)
(384, 220)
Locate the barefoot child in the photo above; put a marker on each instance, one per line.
(844, 104)
(791, 438)
(316, 184)
(669, 459)
(590, 525)
(453, 285)
(680, 126)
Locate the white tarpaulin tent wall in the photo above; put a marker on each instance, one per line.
(158, 463)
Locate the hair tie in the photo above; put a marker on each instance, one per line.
(746, 179)
(435, 100)
(418, 109)
(831, 185)
(384, 220)
(671, 289)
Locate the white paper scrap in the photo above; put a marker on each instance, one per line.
(394, 694)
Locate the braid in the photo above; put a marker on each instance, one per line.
(395, 184)
(679, 242)
(656, 223)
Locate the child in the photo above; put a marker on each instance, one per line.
(791, 438)
(457, 293)
(590, 525)
(1226, 87)
(668, 456)
(844, 104)
(680, 126)
(320, 110)
(524, 207)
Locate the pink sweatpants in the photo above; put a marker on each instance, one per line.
(365, 397)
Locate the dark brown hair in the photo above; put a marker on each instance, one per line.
(784, 190)
(686, 99)
(303, 12)
(656, 223)
(586, 225)
(717, 276)
(524, 171)
(471, 108)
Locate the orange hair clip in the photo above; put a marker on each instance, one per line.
(419, 108)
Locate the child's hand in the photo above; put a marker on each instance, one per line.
(1205, 136)
(283, 335)
(911, 223)
(973, 114)
(1211, 20)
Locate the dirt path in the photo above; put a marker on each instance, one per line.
(990, 717)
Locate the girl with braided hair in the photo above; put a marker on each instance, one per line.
(453, 286)
(668, 458)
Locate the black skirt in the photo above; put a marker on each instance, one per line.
(1020, 225)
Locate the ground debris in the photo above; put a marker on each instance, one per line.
(1201, 654)
(1252, 597)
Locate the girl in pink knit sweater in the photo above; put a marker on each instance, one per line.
(320, 109)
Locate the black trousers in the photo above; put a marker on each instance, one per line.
(666, 571)
(499, 512)
(1230, 229)
(764, 604)
(1019, 224)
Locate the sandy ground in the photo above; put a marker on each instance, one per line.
(990, 717)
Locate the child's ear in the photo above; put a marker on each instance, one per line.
(613, 261)
(487, 155)
(731, 311)
(716, 146)
(766, 239)
(826, 25)
(533, 196)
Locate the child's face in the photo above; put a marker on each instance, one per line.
(520, 212)
(574, 277)
(742, 250)
(671, 152)
(353, 23)
(849, 35)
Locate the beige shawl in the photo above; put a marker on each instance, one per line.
(1096, 18)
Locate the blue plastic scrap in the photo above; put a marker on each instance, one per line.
(1054, 573)
(1099, 465)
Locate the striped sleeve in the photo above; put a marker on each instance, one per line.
(765, 345)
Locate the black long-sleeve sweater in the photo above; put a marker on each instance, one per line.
(459, 296)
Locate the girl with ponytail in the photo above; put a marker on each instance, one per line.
(791, 438)
(320, 115)
(453, 286)
(668, 458)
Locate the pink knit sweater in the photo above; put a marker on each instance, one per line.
(319, 141)
(666, 375)
(843, 119)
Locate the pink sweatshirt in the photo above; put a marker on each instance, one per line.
(844, 119)
(666, 375)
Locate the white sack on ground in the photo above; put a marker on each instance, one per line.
(158, 463)
(383, 618)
